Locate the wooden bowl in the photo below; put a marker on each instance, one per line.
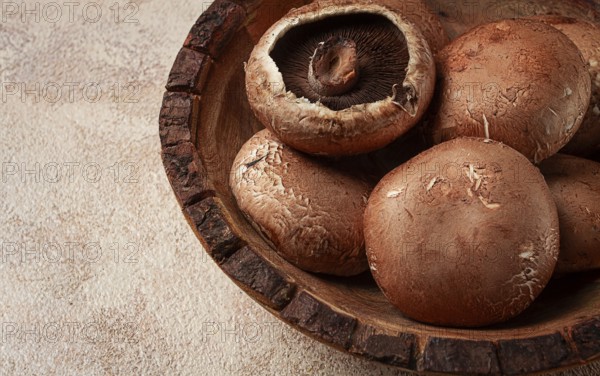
(204, 121)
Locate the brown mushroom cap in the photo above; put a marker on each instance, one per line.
(309, 209)
(575, 186)
(586, 37)
(381, 89)
(520, 82)
(464, 234)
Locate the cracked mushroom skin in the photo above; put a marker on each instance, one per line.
(520, 82)
(575, 186)
(586, 37)
(309, 210)
(457, 237)
(338, 78)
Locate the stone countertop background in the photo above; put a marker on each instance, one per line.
(99, 272)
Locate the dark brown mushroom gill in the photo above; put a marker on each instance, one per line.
(381, 53)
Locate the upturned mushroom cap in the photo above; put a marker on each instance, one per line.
(464, 234)
(586, 37)
(380, 89)
(520, 82)
(311, 210)
(575, 186)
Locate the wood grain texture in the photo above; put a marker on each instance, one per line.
(587, 338)
(394, 349)
(519, 356)
(252, 271)
(318, 319)
(186, 173)
(175, 118)
(449, 355)
(215, 27)
(204, 120)
(177, 125)
(219, 240)
(189, 72)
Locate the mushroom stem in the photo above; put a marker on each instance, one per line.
(333, 68)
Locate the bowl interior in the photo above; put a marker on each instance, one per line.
(226, 122)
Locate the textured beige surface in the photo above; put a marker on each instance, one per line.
(99, 272)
